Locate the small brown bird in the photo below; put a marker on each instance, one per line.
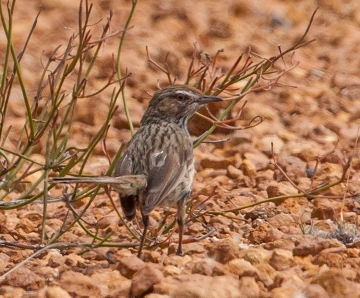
(157, 167)
(162, 151)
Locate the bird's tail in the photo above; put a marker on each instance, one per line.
(128, 205)
(125, 185)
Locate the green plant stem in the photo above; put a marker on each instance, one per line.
(118, 70)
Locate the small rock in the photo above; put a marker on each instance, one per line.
(201, 286)
(310, 245)
(152, 256)
(265, 233)
(171, 270)
(239, 137)
(282, 220)
(213, 161)
(234, 173)
(26, 224)
(273, 191)
(74, 260)
(15, 292)
(350, 217)
(314, 291)
(144, 280)
(218, 269)
(329, 172)
(293, 166)
(286, 188)
(267, 275)
(223, 180)
(323, 135)
(264, 177)
(334, 124)
(325, 209)
(260, 160)
(82, 285)
(55, 259)
(196, 227)
(248, 287)
(248, 168)
(281, 259)
(332, 257)
(194, 248)
(219, 29)
(178, 261)
(220, 220)
(303, 183)
(193, 285)
(128, 266)
(336, 285)
(25, 278)
(121, 289)
(350, 133)
(202, 267)
(224, 287)
(154, 295)
(283, 292)
(287, 244)
(172, 248)
(255, 255)
(264, 144)
(111, 282)
(289, 276)
(223, 251)
(241, 268)
(306, 151)
(108, 221)
(209, 172)
(56, 292)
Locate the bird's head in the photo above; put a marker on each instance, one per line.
(176, 103)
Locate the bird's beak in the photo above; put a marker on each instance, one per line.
(208, 98)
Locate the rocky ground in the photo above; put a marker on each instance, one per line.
(296, 247)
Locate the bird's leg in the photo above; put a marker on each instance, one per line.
(180, 221)
(145, 219)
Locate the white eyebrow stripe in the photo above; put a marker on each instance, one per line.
(190, 94)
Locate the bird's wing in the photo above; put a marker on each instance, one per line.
(127, 199)
(124, 166)
(167, 168)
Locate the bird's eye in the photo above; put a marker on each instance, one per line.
(180, 97)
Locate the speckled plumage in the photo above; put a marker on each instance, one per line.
(162, 151)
